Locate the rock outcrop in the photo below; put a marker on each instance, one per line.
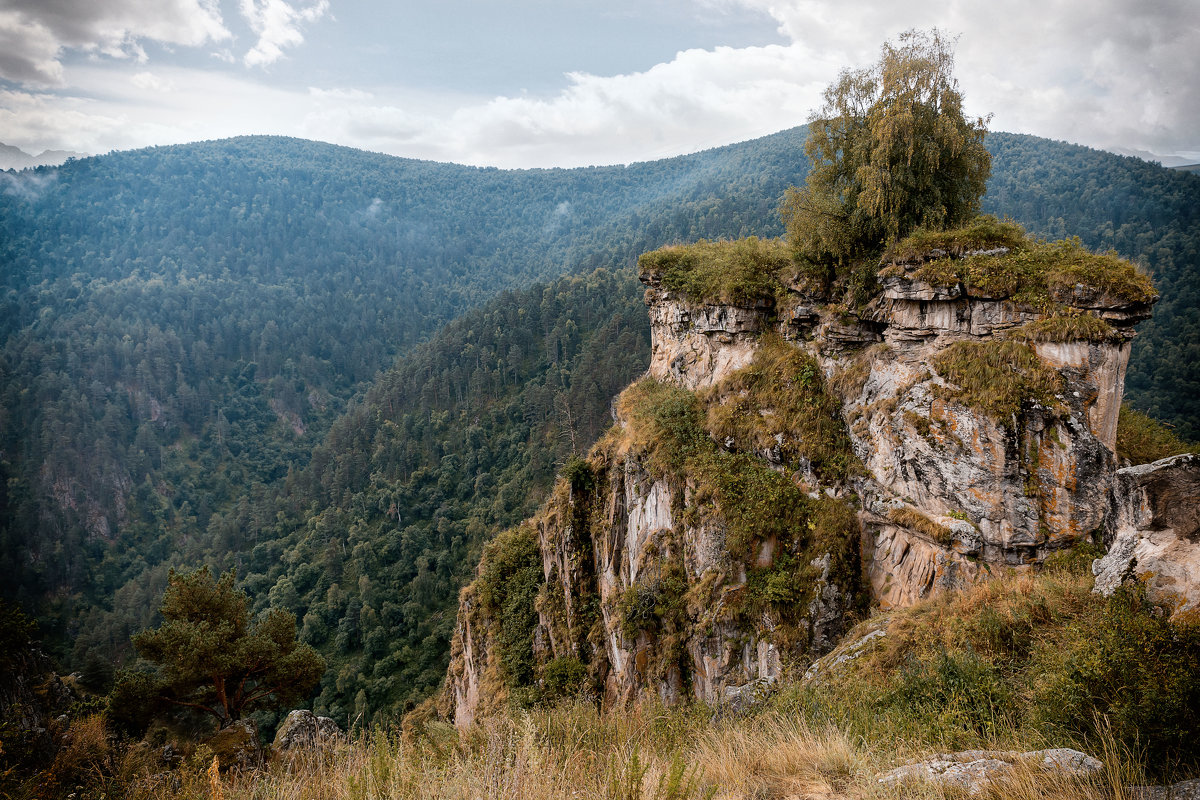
(787, 460)
(1155, 533)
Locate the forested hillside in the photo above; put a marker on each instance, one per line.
(186, 330)
(182, 324)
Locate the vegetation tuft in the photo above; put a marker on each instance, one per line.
(781, 401)
(1142, 439)
(1034, 272)
(998, 377)
(740, 272)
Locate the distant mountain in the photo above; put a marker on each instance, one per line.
(16, 158)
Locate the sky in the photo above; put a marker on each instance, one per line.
(543, 83)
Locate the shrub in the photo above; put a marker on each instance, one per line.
(1142, 439)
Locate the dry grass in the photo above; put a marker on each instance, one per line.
(742, 272)
(639, 754)
(916, 521)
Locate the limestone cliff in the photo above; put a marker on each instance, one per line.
(789, 461)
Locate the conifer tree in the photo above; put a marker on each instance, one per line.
(213, 658)
(891, 151)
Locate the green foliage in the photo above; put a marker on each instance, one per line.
(510, 573)
(564, 676)
(1142, 439)
(1130, 671)
(211, 657)
(891, 152)
(579, 475)
(997, 377)
(962, 688)
(181, 326)
(741, 272)
(782, 393)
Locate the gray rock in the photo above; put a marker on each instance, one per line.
(304, 729)
(237, 746)
(973, 770)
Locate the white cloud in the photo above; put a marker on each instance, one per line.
(1096, 72)
(34, 33)
(701, 98)
(151, 82)
(277, 24)
(1110, 73)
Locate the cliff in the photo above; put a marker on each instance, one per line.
(790, 461)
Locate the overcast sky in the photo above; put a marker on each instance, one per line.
(525, 83)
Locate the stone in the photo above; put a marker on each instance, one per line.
(236, 746)
(973, 770)
(1184, 790)
(303, 729)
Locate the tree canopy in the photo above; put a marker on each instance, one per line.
(890, 151)
(213, 658)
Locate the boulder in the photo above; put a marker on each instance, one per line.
(237, 746)
(1184, 790)
(304, 729)
(1156, 533)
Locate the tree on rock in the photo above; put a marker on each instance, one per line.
(891, 152)
(212, 658)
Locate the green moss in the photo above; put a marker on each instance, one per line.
(740, 272)
(1142, 439)
(997, 377)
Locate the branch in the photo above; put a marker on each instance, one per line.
(192, 705)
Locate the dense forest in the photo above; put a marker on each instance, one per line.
(193, 338)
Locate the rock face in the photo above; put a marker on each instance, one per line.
(979, 442)
(952, 491)
(1155, 532)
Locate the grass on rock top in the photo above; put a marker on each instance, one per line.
(740, 272)
(1034, 272)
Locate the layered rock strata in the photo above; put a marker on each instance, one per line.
(982, 443)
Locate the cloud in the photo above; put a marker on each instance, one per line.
(151, 82)
(1112, 73)
(277, 25)
(699, 99)
(35, 33)
(1093, 72)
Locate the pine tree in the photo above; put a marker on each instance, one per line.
(212, 658)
